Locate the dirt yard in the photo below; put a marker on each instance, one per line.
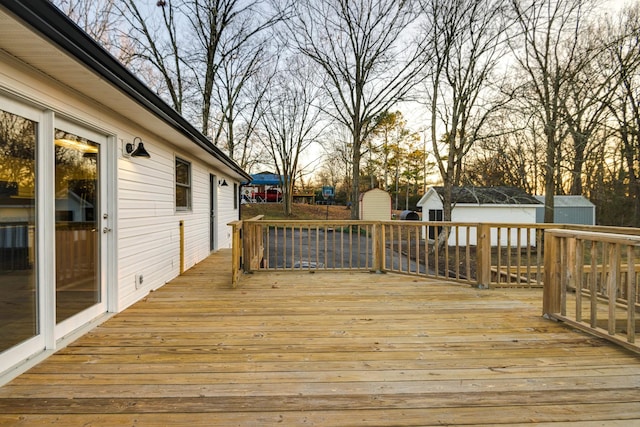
(300, 211)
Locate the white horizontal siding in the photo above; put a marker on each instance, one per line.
(146, 224)
(492, 214)
(226, 212)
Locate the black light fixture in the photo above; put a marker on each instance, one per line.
(223, 183)
(134, 151)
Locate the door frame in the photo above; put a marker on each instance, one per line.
(213, 214)
(82, 318)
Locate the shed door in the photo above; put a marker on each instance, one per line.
(435, 215)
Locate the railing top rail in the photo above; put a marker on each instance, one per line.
(312, 222)
(537, 226)
(598, 236)
(600, 229)
(396, 222)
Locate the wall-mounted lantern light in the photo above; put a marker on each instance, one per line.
(223, 183)
(132, 151)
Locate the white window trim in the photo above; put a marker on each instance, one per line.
(189, 206)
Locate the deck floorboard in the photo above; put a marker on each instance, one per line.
(329, 349)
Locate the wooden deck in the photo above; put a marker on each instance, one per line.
(328, 349)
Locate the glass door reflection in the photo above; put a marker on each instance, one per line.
(77, 235)
(18, 288)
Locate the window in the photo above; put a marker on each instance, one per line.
(183, 185)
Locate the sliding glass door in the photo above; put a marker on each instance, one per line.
(54, 229)
(18, 285)
(78, 226)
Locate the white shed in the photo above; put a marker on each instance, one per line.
(106, 192)
(506, 205)
(375, 205)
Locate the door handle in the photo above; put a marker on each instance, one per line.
(106, 230)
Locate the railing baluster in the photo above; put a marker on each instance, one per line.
(416, 228)
(518, 254)
(499, 253)
(468, 253)
(457, 249)
(446, 250)
(268, 233)
(436, 249)
(508, 276)
(612, 285)
(593, 316)
(563, 277)
(579, 271)
(631, 294)
(529, 255)
(539, 249)
(318, 248)
(426, 248)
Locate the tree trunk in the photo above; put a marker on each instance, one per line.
(634, 184)
(579, 145)
(549, 179)
(355, 191)
(406, 202)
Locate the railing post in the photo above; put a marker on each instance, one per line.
(247, 245)
(382, 244)
(551, 299)
(236, 251)
(181, 225)
(483, 246)
(375, 242)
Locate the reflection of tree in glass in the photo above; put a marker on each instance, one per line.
(76, 168)
(17, 150)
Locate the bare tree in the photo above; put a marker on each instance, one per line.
(204, 53)
(546, 50)
(337, 166)
(369, 61)
(154, 37)
(624, 53)
(229, 48)
(467, 38)
(511, 159)
(290, 121)
(98, 19)
(243, 79)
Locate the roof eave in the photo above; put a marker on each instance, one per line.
(52, 24)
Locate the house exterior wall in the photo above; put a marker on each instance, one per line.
(145, 237)
(149, 225)
(375, 205)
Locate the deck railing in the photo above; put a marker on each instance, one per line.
(592, 282)
(246, 247)
(481, 254)
(590, 274)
